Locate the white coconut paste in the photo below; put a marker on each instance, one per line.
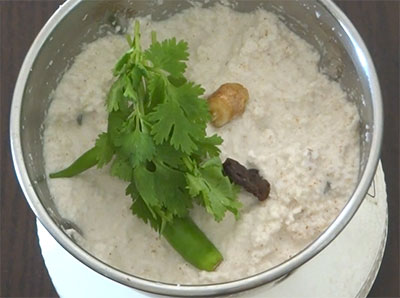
(298, 130)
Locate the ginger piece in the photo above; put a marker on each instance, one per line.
(227, 102)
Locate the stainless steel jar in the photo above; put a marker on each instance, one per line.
(344, 58)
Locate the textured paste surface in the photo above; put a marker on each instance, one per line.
(298, 130)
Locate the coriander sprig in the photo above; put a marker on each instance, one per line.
(156, 140)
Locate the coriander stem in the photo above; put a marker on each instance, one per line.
(141, 94)
(129, 40)
(137, 42)
(153, 37)
(188, 163)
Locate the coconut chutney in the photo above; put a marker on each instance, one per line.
(298, 130)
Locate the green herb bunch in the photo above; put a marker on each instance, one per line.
(156, 140)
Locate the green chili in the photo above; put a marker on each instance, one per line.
(83, 163)
(192, 244)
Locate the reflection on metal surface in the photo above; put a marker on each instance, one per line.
(372, 190)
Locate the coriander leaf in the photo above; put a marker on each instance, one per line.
(129, 90)
(156, 89)
(146, 186)
(188, 96)
(208, 146)
(122, 63)
(104, 149)
(163, 188)
(170, 124)
(115, 95)
(211, 170)
(169, 56)
(137, 146)
(121, 168)
(214, 189)
(195, 184)
(171, 188)
(140, 209)
(212, 162)
(181, 118)
(168, 155)
(115, 123)
(136, 75)
(177, 82)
